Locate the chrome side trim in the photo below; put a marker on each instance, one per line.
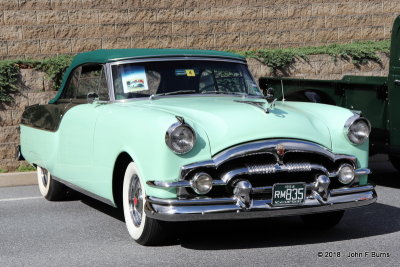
(363, 171)
(163, 184)
(85, 192)
(259, 105)
(193, 201)
(110, 82)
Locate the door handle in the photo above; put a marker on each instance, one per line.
(397, 82)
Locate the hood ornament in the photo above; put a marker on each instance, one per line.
(280, 152)
(260, 105)
(280, 149)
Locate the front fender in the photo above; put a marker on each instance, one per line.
(335, 118)
(140, 132)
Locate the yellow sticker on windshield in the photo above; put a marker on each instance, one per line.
(190, 73)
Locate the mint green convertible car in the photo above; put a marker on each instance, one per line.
(182, 135)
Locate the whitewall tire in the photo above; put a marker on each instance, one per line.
(49, 188)
(144, 230)
(43, 180)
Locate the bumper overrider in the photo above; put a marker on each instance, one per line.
(245, 201)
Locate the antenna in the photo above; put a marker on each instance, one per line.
(283, 94)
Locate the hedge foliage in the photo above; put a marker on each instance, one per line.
(358, 52)
(54, 67)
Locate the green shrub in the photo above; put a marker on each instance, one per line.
(358, 52)
(8, 80)
(54, 67)
(25, 168)
(3, 170)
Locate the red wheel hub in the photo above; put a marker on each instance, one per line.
(135, 201)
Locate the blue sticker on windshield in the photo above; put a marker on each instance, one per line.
(186, 72)
(134, 79)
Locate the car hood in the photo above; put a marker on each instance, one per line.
(229, 121)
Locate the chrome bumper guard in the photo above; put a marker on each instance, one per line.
(199, 208)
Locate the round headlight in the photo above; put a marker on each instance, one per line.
(202, 183)
(358, 130)
(180, 138)
(346, 174)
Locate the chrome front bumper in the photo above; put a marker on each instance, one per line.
(197, 209)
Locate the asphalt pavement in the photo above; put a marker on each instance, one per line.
(84, 232)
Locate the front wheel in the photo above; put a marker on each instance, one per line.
(325, 220)
(144, 230)
(51, 189)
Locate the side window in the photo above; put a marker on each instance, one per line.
(102, 90)
(90, 80)
(86, 79)
(69, 91)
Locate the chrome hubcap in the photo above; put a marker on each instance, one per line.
(136, 200)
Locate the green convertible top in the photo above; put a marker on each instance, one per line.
(110, 55)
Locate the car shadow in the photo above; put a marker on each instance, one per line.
(374, 220)
(383, 172)
(98, 205)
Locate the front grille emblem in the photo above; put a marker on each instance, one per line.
(280, 150)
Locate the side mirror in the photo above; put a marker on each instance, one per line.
(270, 93)
(91, 97)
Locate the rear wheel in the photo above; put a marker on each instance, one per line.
(324, 220)
(51, 189)
(143, 230)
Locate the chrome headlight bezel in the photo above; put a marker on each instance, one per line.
(169, 137)
(340, 174)
(351, 122)
(197, 179)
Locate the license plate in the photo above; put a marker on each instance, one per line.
(288, 194)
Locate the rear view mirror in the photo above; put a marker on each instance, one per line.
(91, 97)
(270, 93)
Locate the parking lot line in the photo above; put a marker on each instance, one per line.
(18, 199)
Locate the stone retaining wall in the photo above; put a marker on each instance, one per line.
(38, 28)
(36, 89)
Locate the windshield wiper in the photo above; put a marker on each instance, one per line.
(224, 93)
(178, 92)
(173, 93)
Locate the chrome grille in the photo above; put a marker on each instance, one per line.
(274, 168)
(259, 163)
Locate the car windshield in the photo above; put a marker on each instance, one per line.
(133, 80)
